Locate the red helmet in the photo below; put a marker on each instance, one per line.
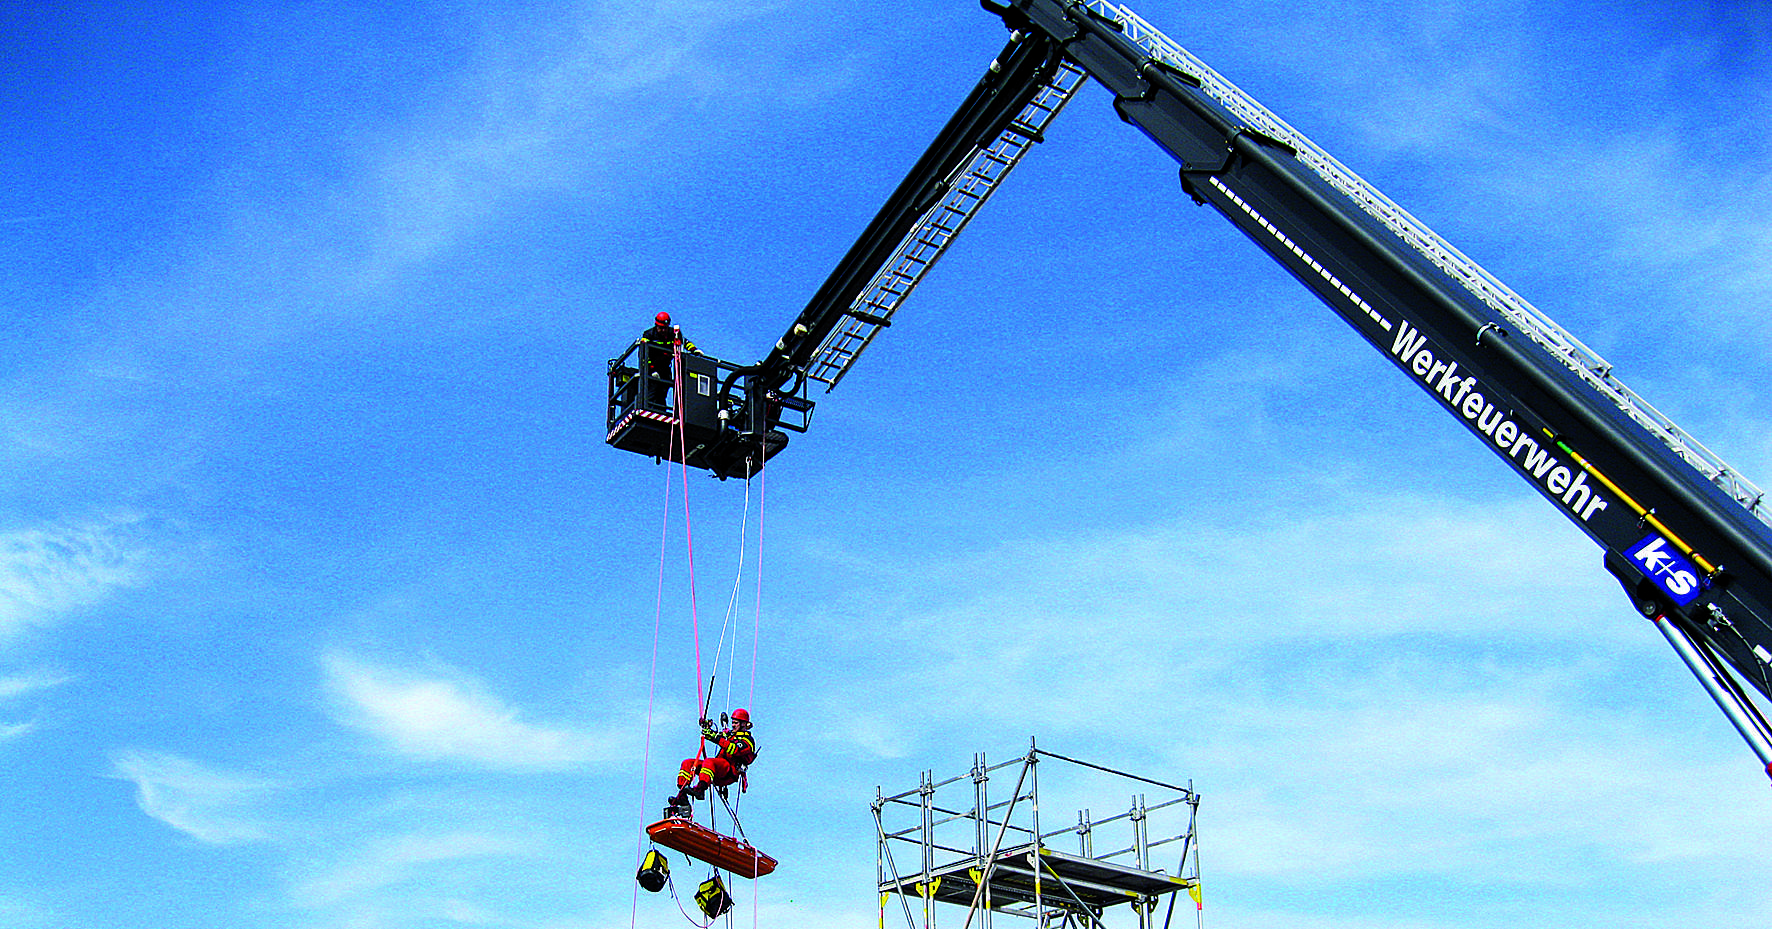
(663, 319)
(741, 716)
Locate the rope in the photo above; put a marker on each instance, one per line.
(680, 442)
(688, 526)
(677, 447)
(757, 616)
(732, 599)
(671, 882)
(732, 811)
(736, 825)
(652, 682)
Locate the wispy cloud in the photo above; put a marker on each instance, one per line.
(214, 806)
(443, 715)
(21, 685)
(18, 912)
(387, 863)
(1145, 606)
(539, 118)
(566, 103)
(534, 107)
(47, 572)
(1605, 153)
(1658, 206)
(1438, 697)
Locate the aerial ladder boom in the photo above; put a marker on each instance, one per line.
(1684, 533)
(1681, 531)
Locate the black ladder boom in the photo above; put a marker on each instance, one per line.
(1684, 533)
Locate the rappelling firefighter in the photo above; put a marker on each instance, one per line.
(737, 748)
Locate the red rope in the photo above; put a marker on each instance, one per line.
(726, 623)
(679, 442)
(664, 530)
(688, 526)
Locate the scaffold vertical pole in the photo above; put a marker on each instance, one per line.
(981, 814)
(1140, 849)
(880, 851)
(984, 878)
(925, 798)
(892, 867)
(1033, 762)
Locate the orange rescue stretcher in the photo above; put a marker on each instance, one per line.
(723, 852)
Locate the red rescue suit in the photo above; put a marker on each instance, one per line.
(737, 750)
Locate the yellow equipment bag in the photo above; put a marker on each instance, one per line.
(711, 896)
(654, 871)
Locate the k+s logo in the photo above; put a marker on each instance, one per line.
(1670, 570)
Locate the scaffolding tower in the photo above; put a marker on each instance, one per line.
(943, 843)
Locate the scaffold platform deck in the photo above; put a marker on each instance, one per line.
(1065, 880)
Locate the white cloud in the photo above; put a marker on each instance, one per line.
(1411, 781)
(19, 685)
(17, 912)
(446, 716)
(50, 571)
(1035, 626)
(1654, 202)
(548, 111)
(1325, 59)
(417, 858)
(213, 806)
(22, 685)
(534, 108)
(1386, 690)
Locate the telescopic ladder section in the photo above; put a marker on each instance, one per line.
(966, 191)
(1569, 350)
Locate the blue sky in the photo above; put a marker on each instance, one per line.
(322, 603)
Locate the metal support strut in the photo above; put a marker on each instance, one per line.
(1734, 704)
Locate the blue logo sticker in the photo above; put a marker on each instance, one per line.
(1667, 568)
